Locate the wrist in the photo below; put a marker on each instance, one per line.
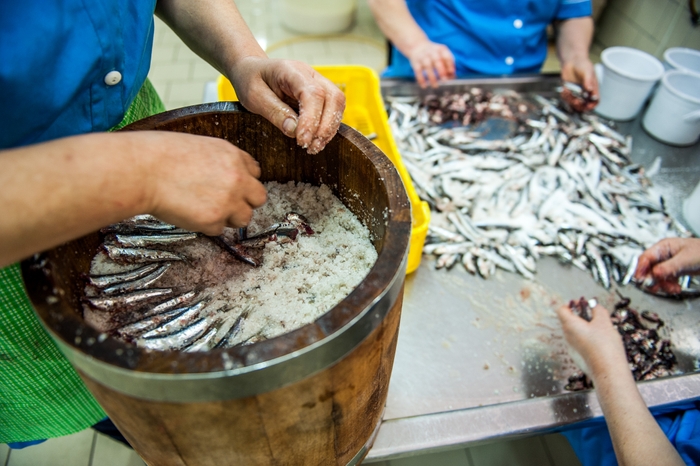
(140, 159)
(612, 369)
(414, 45)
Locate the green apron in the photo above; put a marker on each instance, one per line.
(41, 395)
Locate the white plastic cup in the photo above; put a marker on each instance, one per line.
(691, 210)
(674, 113)
(626, 79)
(681, 58)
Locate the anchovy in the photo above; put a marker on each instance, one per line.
(139, 283)
(233, 332)
(147, 241)
(206, 342)
(137, 328)
(139, 255)
(111, 303)
(170, 304)
(175, 341)
(189, 315)
(143, 224)
(101, 281)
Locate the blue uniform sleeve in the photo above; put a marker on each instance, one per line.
(574, 9)
(681, 424)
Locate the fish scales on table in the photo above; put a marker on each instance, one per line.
(562, 185)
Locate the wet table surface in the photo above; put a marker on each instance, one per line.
(482, 360)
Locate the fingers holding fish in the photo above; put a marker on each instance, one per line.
(201, 183)
(431, 63)
(661, 265)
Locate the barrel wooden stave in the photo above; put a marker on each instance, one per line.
(322, 420)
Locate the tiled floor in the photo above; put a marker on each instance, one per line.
(88, 448)
(181, 78)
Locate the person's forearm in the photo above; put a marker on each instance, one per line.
(53, 192)
(574, 39)
(397, 24)
(214, 29)
(636, 436)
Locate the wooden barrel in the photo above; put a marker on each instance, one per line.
(314, 396)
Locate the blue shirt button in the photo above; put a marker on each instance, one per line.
(518, 23)
(509, 61)
(112, 78)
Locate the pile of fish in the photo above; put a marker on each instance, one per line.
(649, 355)
(159, 295)
(559, 184)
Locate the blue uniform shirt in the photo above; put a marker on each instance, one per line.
(55, 59)
(492, 37)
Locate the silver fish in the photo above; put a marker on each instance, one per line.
(189, 315)
(147, 241)
(101, 281)
(139, 255)
(111, 303)
(139, 283)
(175, 341)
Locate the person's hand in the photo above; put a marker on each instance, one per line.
(278, 89)
(597, 341)
(664, 262)
(581, 72)
(431, 63)
(197, 182)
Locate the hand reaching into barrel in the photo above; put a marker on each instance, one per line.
(201, 183)
(293, 96)
(661, 265)
(60, 190)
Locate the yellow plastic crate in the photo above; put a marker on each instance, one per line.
(365, 112)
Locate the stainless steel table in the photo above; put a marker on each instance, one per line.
(483, 360)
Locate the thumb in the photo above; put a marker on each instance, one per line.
(600, 313)
(673, 267)
(265, 103)
(590, 82)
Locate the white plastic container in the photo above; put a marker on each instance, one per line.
(691, 210)
(681, 58)
(318, 16)
(674, 113)
(626, 79)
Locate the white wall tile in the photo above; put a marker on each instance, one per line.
(446, 458)
(187, 91)
(4, 452)
(647, 14)
(203, 71)
(169, 71)
(71, 450)
(650, 25)
(523, 452)
(560, 450)
(164, 53)
(626, 8)
(109, 452)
